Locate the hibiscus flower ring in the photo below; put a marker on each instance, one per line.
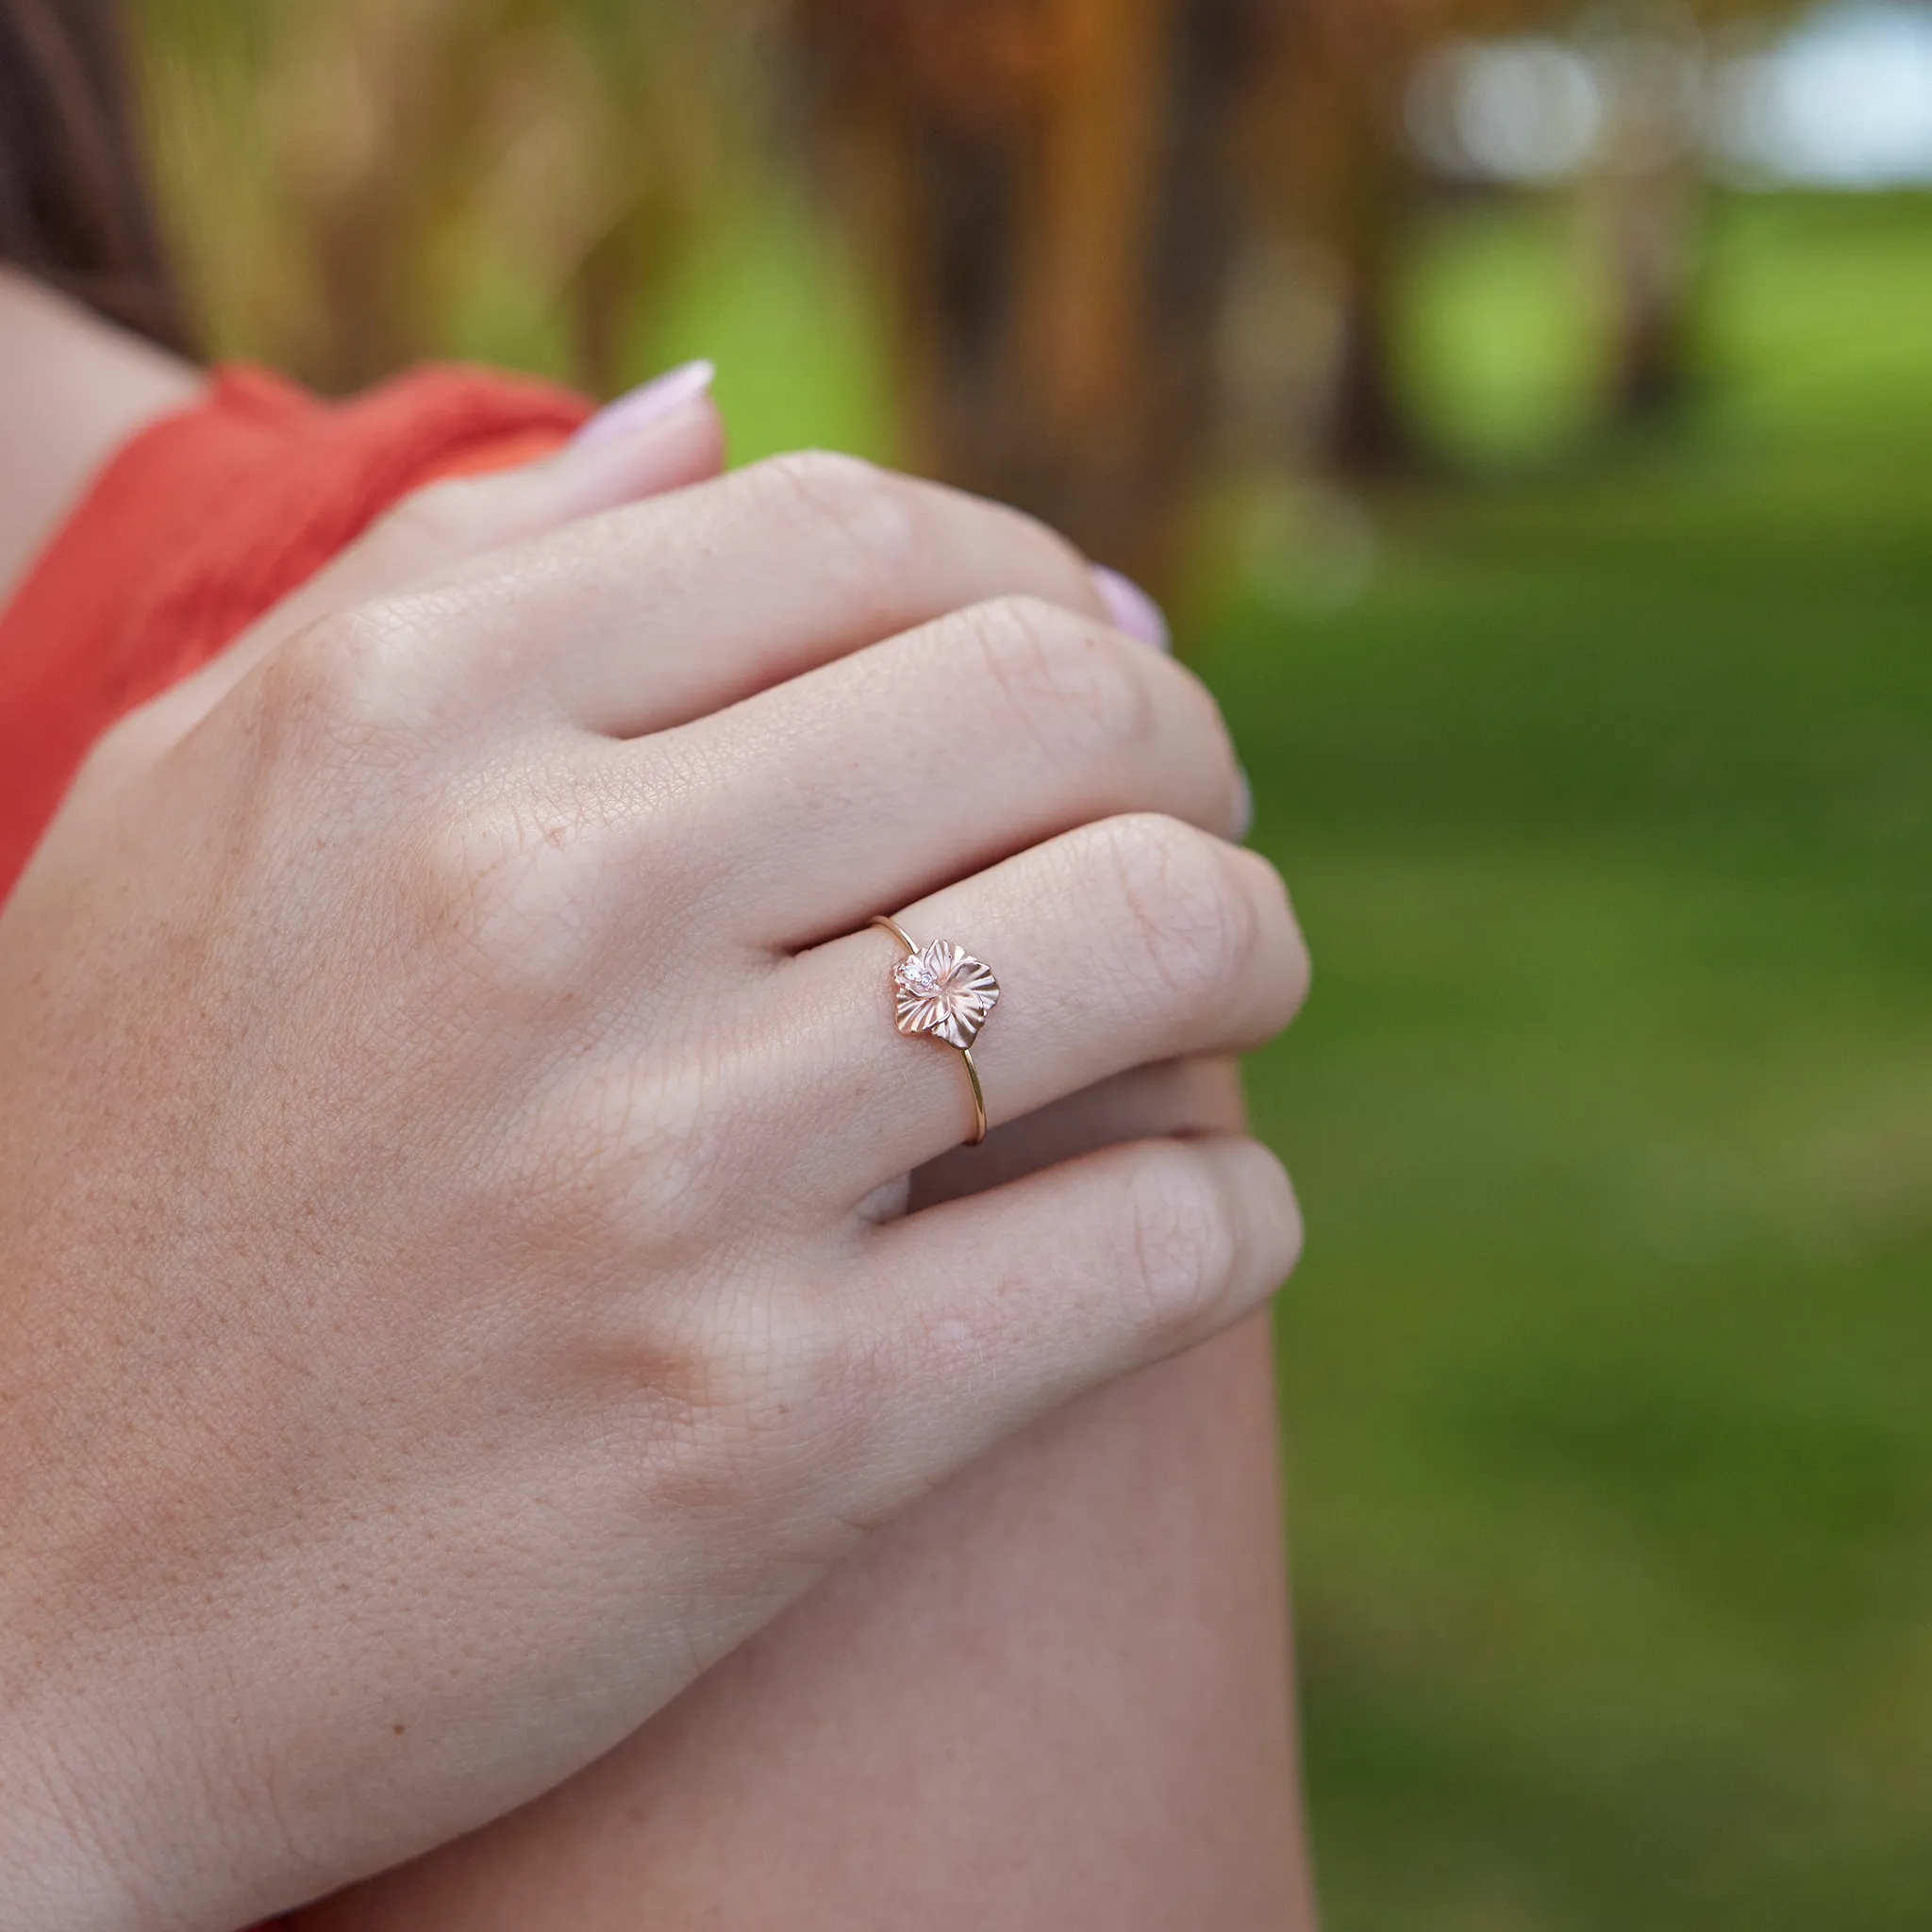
(941, 990)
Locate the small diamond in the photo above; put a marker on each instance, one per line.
(944, 990)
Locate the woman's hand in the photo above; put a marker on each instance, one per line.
(449, 1120)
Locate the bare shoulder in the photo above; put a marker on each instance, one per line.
(73, 389)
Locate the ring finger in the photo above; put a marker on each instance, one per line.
(1126, 941)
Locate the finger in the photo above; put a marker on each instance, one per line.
(869, 781)
(973, 1318)
(628, 452)
(1176, 1098)
(1128, 941)
(667, 610)
(1180, 1098)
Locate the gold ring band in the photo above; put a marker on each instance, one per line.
(941, 989)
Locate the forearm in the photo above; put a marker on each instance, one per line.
(1055, 1695)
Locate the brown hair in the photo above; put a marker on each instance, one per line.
(74, 204)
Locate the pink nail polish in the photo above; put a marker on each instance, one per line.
(640, 408)
(1130, 608)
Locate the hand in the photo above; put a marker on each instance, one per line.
(453, 1092)
(660, 436)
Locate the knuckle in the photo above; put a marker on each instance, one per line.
(692, 1396)
(1180, 1242)
(856, 518)
(472, 869)
(626, 1163)
(537, 875)
(1061, 679)
(823, 1383)
(771, 1421)
(338, 687)
(1192, 924)
(669, 1155)
(747, 1398)
(514, 879)
(827, 1407)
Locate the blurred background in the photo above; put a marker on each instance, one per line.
(1527, 411)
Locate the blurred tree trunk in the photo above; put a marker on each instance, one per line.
(1649, 220)
(1331, 158)
(1046, 189)
(1347, 116)
(1366, 430)
(1647, 195)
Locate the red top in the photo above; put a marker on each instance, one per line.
(202, 521)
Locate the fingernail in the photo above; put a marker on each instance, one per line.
(640, 408)
(1131, 608)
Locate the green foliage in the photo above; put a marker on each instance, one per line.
(1608, 808)
(801, 359)
(1498, 345)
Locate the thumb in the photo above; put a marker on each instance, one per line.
(657, 438)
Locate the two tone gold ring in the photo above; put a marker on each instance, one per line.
(941, 989)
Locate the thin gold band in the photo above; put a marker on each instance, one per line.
(965, 1053)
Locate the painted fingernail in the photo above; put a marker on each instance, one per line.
(1130, 608)
(640, 408)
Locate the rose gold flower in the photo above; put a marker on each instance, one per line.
(944, 990)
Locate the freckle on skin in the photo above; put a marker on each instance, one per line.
(399, 1729)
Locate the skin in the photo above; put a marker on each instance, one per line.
(72, 390)
(1053, 1694)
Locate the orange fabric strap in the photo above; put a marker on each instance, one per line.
(204, 520)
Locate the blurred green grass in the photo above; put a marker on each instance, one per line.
(1607, 805)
